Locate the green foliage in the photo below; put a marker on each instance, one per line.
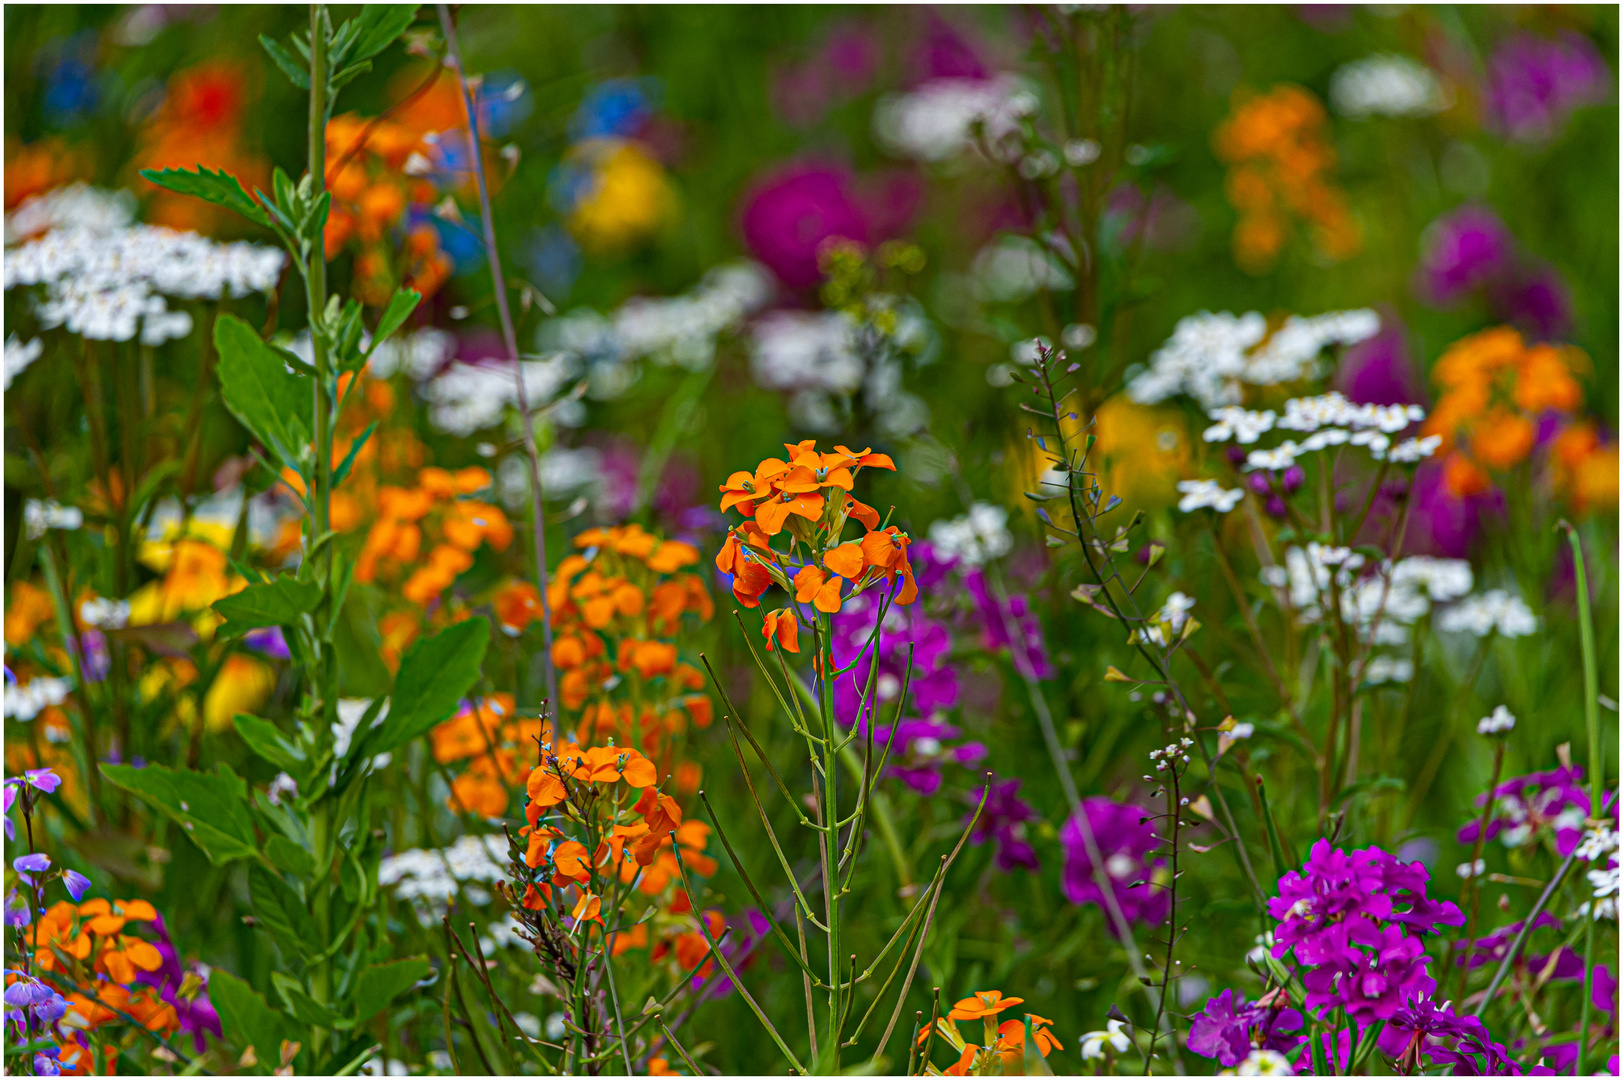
(211, 807)
(218, 187)
(271, 401)
(274, 603)
(435, 674)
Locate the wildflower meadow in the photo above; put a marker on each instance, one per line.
(703, 540)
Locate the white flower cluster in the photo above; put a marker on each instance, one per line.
(351, 711)
(1493, 610)
(419, 354)
(28, 700)
(39, 516)
(817, 358)
(19, 354)
(1327, 420)
(105, 614)
(1497, 723)
(975, 537)
(1399, 593)
(429, 878)
(1410, 451)
(1174, 615)
(1388, 669)
(1387, 85)
(1208, 495)
(1309, 414)
(110, 283)
(935, 121)
(74, 206)
(464, 398)
(1600, 845)
(1209, 356)
(1241, 425)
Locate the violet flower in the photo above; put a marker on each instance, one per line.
(76, 884)
(1463, 251)
(267, 641)
(197, 1013)
(1003, 820)
(1125, 842)
(1414, 1037)
(792, 213)
(1026, 647)
(1535, 83)
(1526, 806)
(1230, 1028)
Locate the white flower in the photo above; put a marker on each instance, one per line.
(934, 122)
(1208, 495)
(1241, 425)
(1605, 884)
(1290, 353)
(1384, 669)
(1597, 843)
(1094, 1042)
(418, 354)
(28, 700)
(429, 878)
(1175, 612)
(351, 711)
(39, 516)
(1410, 451)
(1500, 721)
(1386, 85)
(975, 537)
(105, 614)
(465, 398)
(1278, 459)
(1333, 409)
(280, 788)
(1265, 1063)
(1204, 358)
(1011, 268)
(1471, 869)
(19, 355)
(1493, 610)
(81, 206)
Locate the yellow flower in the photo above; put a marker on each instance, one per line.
(626, 199)
(242, 685)
(1141, 452)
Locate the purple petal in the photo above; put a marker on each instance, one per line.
(76, 884)
(35, 863)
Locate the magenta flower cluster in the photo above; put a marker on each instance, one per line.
(1551, 800)
(1125, 839)
(1354, 920)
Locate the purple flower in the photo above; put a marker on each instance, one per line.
(267, 641)
(46, 1066)
(44, 780)
(944, 54)
(1380, 370)
(18, 914)
(36, 863)
(1537, 300)
(1492, 947)
(1461, 252)
(96, 659)
(1348, 917)
(789, 216)
(196, 1014)
(76, 884)
(1414, 1036)
(1003, 820)
(1229, 1028)
(1026, 646)
(1124, 842)
(1525, 806)
(25, 993)
(1535, 83)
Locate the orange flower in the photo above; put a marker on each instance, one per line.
(517, 604)
(814, 586)
(1502, 439)
(982, 1004)
(589, 908)
(571, 862)
(1012, 1034)
(867, 459)
(750, 580)
(847, 560)
(544, 789)
(887, 550)
(782, 626)
(1464, 477)
(772, 514)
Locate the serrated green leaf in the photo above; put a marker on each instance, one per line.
(266, 740)
(271, 401)
(220, 188)
(281, 913)
(247, 1020)
(296, 74)
(289, 857)
(380, 984)
(211, 807)
(434, 676)
(274, 603)
(378, 27)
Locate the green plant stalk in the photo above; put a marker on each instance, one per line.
(321, 825)
(831, 845)
(1586, 636)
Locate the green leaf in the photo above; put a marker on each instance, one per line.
(382, 983)
(275, 603)
(378, 27)
(220, 188)
(211, 807)
(282, 914)
(401, 305)
(1033, 1058)
(305, 1009)
(349, 458)
(289, 857)
(296, 74)
(347, 76)
(266, 739)
(271, 401)
(434, 676)
(247, 1020)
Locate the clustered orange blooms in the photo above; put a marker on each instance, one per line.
(1003, 1044)
(1280, 159)
(374, 189)
(199, 123)
(1496, 388)
(617, 604)
(497, 743)
(809, 496)
(37, 167)
(82, 951)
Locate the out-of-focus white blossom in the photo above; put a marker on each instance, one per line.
(935, 121)
(1385, 669)
(105, 614)
(1497, 723)
(1387, 85)
(1208, 495)
(1011, 268)
(28, 700)
(429, 878)
(39, 516)
(19, 354)
(1493, 610)
(975, 537)
(79, 206)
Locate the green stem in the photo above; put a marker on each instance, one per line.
(1597, 768)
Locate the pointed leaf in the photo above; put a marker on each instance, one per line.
(289, 857)
(266, 739)
(246, 1019)
(378, 27)
(220, 188)
(434, 676)
(271, 401)
(401, 305)
(282, 914)
(296, 73)
(382, 983)
(275, 603)
(305, 1009)
(211, 807)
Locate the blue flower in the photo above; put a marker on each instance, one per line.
(76, 884)
(46, 1066)
(36, 863)
(617, 108)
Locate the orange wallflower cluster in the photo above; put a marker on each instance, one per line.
(82, 951)
(29, 609)
(37, 167)
(617, 604)
(199, 123)
(498, 745)
(809, 497)
(423, 537)
(1495, 390)
(1280, 159)
(1002, 1046)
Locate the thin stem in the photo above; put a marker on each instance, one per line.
(527, 426)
